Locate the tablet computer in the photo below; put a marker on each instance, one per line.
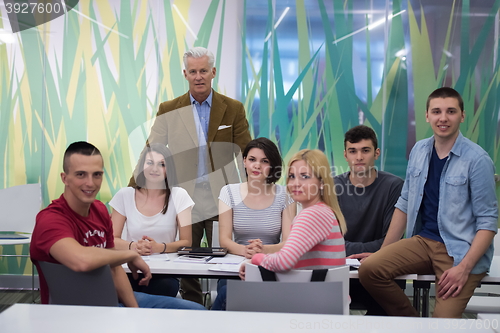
(203, 251)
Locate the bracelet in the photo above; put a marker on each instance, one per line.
(164, 248)
(130, 245)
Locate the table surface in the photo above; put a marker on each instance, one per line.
(16, 241)
(202, 270)
(171, 267)
(26, 318)
(491, 320)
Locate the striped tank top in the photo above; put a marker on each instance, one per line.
(249, 223)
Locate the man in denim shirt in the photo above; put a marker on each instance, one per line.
(449, 209)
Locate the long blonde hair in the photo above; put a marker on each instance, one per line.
(320, 167)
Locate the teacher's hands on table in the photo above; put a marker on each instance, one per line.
(254, 247)
(360, 256)
(139, 265)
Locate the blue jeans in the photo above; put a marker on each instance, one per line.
(158, 285)
(164, 302)
(220, 300)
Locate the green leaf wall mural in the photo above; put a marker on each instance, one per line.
(99, 73)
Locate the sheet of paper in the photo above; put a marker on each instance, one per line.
(156, 257)
(353, 262)
(227, 260)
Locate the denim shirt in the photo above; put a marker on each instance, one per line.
(467, 199)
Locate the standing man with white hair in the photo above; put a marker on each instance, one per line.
(205, 131)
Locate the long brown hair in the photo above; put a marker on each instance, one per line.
(170, 177)
(320, 167)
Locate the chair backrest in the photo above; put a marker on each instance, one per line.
(19, 206)
(215, 234)
(293, 293)
(67, 287)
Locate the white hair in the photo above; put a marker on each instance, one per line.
(198, 52)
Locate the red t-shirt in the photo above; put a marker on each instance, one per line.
(59, 221)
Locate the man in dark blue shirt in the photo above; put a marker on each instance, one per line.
(449, 209)
(366, 197)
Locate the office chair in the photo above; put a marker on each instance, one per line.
(67, 287)
(292, 292)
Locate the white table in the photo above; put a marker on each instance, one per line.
(182, 269)
(490, 320)
(16, 241)
(26, 318)
(179, 269)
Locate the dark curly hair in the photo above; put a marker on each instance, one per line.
(273, 155)
(358, 133)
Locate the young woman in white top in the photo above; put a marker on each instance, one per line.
(151, 214)
(258, 213)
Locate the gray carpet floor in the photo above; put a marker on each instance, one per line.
(9, 297)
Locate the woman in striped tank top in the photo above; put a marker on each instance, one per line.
(259, 212)
(316, 239)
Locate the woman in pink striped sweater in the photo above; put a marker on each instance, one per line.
(316, 239)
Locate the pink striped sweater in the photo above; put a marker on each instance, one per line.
(315, 241)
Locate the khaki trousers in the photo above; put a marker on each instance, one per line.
(415, 255)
